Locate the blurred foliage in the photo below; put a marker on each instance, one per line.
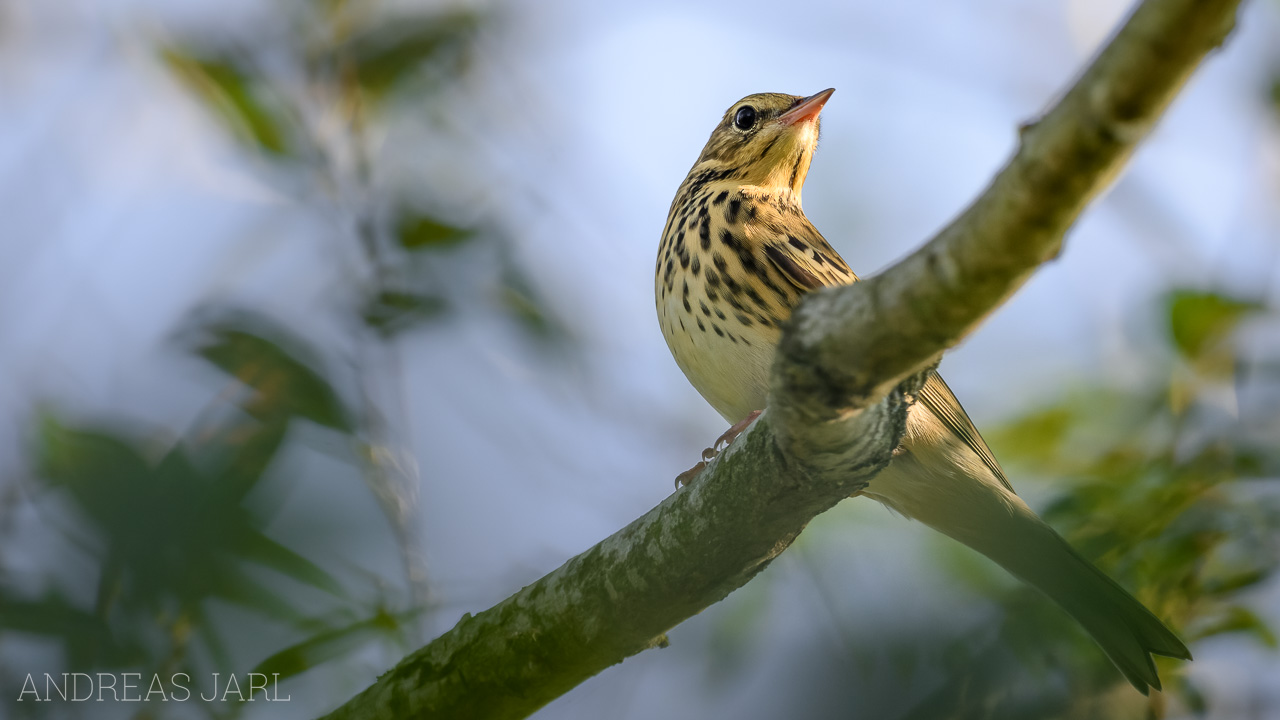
(173, 525)
(1200, 324)
(385, 55)
(239, 98)
(521, 301)
(357, 57)
(333, 642)
(391, 311)
(1169, 488)
(274, 362)
(1163, 488)
(172, 531)
(419, 232)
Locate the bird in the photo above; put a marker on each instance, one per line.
(737, 254)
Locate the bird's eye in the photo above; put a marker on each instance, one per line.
(745, 118)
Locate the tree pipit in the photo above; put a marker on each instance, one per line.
(737, 254)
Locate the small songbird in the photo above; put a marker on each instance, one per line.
(736, 256)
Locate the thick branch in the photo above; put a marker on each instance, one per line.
(836, 414)
(900, 321)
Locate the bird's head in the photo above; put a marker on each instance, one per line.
(766, 139)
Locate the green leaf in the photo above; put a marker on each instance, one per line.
(1194, 698)
(51, 615)
(85, 637)
(262, 354)
(1274, 94)
(1199, 321)
(1238, 619)
(253, 545)
(420, 232)
(386, 55)
(232, 584)
(72, 455)
(239, 457)
(234, 94)
(391, 312)
(1036, 437)
(519, 299)
(1235, 581)
(328, 645)
(105, 472)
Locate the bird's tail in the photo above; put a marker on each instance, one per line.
(966, 502)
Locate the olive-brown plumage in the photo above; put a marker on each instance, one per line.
(737, 254)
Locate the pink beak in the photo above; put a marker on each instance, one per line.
(806, 109)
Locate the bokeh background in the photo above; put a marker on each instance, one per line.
(323, 322)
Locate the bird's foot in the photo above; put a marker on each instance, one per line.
(721, 443)
(732, 433)
(687, 476)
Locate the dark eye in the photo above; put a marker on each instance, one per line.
(745, 118)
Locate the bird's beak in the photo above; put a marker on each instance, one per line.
(806, 109)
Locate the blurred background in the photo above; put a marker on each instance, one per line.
(323, 322)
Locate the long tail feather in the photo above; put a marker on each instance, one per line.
(940, 483)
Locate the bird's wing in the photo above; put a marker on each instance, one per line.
(808, 262)
(800, 254)
(940, 401)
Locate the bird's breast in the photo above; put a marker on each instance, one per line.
(719, 306)
(726, 363)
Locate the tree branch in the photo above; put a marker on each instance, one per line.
(901, 320)
(836, 414)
